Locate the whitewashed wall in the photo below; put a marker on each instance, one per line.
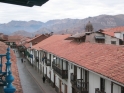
(94, 82)
(108, 39)
(118, 35)
(116, 89)
(94, 79)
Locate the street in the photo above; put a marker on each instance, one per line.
(29, 85)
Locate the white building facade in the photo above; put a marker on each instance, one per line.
(67, 77)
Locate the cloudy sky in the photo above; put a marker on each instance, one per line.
(60, 9)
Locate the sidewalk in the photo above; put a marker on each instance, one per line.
(38, 78)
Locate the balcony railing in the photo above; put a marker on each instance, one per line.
(62, 73)
(79, 84)
(73, 77)
(98, 91)
(48, 62)
(37, 59)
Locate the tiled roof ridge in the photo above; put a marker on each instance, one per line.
(53, 36)
(109, 29)
(119, 46)
(36, 37)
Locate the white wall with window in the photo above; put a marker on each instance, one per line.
(95, 80)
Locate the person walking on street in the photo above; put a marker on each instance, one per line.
(44, 79)
(22, 60)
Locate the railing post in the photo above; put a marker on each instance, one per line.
(9, 78)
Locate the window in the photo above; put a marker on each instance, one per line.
(50, 57)
(122, 89)
(100, 40)
(71, 66)
(113, 42)
(102, 85)
(86, 79)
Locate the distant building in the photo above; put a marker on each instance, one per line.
(3, 37)
(100, 36)
(13, 41)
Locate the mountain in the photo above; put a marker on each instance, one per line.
(13, 26)
(22, 33)
(63, 25)
(98, 22)
(42, 31)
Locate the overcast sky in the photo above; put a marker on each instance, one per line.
(60, 9)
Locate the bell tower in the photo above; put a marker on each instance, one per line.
(89, 28)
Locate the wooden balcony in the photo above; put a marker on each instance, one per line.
(73, 77)
(79, 85)
(48, 62)
(62, 73)
(37, 59)
(98, 91)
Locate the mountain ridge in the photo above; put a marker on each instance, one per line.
(66, 25)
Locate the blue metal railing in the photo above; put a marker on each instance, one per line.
(6, 77)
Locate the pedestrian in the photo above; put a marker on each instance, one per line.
(44, 79)
(22, 60)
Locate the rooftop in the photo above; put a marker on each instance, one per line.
(111, 31)
(104, 59)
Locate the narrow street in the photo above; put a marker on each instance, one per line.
(29, 85)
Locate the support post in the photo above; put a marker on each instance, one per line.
(9, 78)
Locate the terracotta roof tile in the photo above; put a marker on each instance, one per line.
(53, 39)
(37, 37)
(14, 38)
(101, 58)
(27, 45)
(111, 31)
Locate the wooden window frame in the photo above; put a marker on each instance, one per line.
(102, 85)
(113, 42)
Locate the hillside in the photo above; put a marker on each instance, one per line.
(63, 25)
(22, 33)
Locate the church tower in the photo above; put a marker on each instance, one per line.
(89, 28)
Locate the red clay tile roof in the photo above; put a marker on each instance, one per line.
(24, 42)
(53, 39)
(35, 37)
(3, 37)
(107, 60)
(14, 38)
(111, 31)
(14, 68)
(27, 45)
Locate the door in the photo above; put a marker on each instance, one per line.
(46, 71)
(65, 89)
(50, 76)
(43, 70)
(75, 73)
(54, 81)
(60, 90)
(73, 90)
(40, 69)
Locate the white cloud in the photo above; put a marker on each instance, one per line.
(59, 9)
